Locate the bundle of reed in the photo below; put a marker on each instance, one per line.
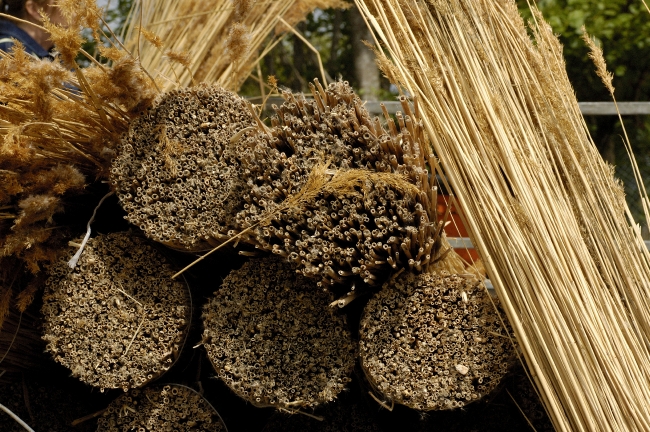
(100, 318)
(300, 358)
(59, 127)
(217, 41)
(444, 321)
(343, 198)
(171, 407)
(351, 200)
(543, 209)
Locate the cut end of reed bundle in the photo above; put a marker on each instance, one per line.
(117, 320)
(273, 339)
(171, 407)
(350, 199)
(171, 175)
(433, 342)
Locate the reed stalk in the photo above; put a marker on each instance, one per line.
(224, 40)
(59, 129)
(543, 209)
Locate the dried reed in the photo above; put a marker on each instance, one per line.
(444, 321)
(170, 407)
(59, 127)
(343, 198)
(218, 41)
(301, 358)
(543, 209)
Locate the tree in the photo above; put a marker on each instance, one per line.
(294, 64)
(337, 34)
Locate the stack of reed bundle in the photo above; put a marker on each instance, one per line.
(543, 209)
(218, 41)
(343, 198)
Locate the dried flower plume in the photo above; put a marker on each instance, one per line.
(238, 42)
(59, 127)
(596, 55)
(150, 36)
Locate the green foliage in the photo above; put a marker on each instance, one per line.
(294, 64)
(116, 14)
(623, 29)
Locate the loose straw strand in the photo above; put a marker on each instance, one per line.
(73, 261)
(15, 417)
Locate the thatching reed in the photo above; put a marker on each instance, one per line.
(217, 41)
(116, 320)
(433, 341)
(273, 339)
(351, 199)
(59, 127)
(543, 209)
(344, 198)
(172, 174)
(170, 407)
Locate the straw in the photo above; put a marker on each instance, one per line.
(544, 211)
(224, 40)
(15, 417)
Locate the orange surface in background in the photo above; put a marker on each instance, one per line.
(455, 228)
